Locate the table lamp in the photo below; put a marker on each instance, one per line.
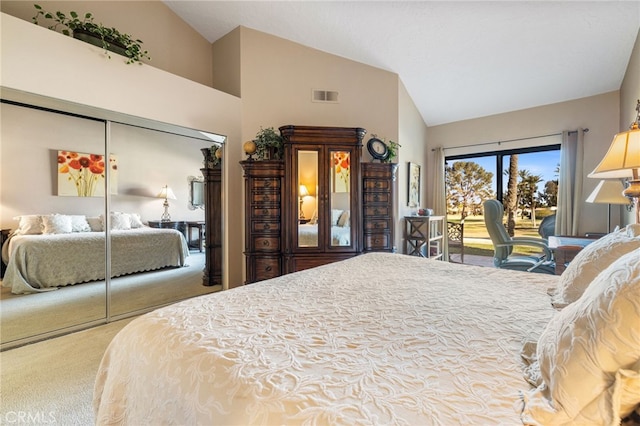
(623, 161)
(608, 192)
(167, 194)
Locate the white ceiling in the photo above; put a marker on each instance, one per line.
(458, 60)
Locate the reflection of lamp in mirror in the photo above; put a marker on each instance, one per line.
(167, 194)
(623, 161)
(303, 192)
(608, 192)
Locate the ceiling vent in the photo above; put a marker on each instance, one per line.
(330, 96)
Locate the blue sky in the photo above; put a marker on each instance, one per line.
(537, 163)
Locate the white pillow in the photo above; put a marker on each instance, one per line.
(120, 221)
(136, 221)
(29, 224)
(96, 223)
(79, 223)
(335, 215)
(589, 353)
(592, 260)
(56, 224)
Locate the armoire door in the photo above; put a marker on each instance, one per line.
(323, 206)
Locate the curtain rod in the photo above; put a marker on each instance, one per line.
(509, 140)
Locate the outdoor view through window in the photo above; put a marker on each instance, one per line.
(472, 179)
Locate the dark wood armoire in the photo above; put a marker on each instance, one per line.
(319, 205)
(213, 225)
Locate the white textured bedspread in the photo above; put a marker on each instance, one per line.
(376, 339)
(44, 262)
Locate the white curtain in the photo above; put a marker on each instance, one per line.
(570, 182)
(439, 194)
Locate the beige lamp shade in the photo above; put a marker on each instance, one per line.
(623, 156)
(303, 191)
(167, 193)
(608, 192)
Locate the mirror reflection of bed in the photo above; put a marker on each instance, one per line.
(146, 160)
(340, 224)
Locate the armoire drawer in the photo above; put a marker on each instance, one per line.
(264, 243)
(376, 211)
(265, 227)
(376, 225)
(376, 241)
(266, 212)
(267, 267)
(377, 185)
(266, 183)
(265, 197)
(377, 197)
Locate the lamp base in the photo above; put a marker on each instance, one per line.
(633, 191)
(166, 217)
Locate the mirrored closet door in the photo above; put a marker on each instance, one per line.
(52, 168)
(136, 240)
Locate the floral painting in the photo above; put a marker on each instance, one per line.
(341, 165)
(413, 199)
(83, 175)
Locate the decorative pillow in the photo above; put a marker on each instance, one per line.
(343, 220)
(136, 221)
(120, 221)
(314, 218)
(589, 353)
(335, 216)
(95, 223)
(56, 224)
(79, 224)
(29, 224)
(592, 260)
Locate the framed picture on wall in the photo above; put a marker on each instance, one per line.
(82, 174)
(413, 198)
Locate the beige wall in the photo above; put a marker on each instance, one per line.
(412, 134)
(277, 77)
(226, 63)
(597, 113)
(172, 44)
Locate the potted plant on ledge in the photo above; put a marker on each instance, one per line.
(110, 39)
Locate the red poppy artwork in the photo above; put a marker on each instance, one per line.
(341, 166)
(83, 175)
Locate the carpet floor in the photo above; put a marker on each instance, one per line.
(51, 382)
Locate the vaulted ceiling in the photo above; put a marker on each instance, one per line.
(458, 60)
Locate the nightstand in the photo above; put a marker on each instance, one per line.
(4, 234)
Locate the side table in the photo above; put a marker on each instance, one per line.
(199, 226)
(566, 248)
(424, 236)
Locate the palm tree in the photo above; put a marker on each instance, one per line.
(511, 200)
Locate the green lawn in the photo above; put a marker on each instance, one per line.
(477, 241)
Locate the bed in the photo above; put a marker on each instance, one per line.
(47, 261)
(308, 235)
(376, 339)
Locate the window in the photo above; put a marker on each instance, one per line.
(473, 178)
